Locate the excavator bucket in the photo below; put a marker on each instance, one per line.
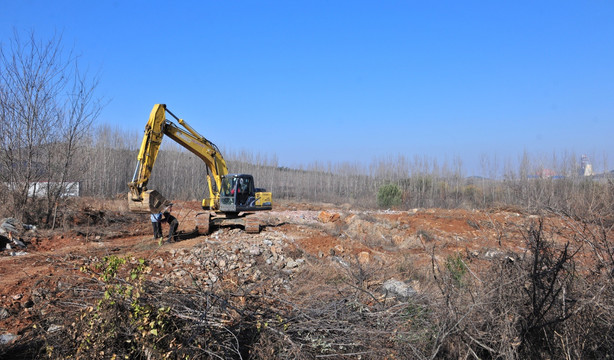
(152, 202)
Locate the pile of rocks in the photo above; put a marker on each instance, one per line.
(231, 255)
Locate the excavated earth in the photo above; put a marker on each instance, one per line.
(41, 279)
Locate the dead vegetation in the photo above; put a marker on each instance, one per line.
(421, 284)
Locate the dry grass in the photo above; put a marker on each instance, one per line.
(547, 302)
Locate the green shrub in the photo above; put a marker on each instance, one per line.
(457, 269)
(389, 195)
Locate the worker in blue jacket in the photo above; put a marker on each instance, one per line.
(156, 222)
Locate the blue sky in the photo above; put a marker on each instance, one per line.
(351, 81)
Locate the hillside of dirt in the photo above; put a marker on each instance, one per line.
(299, 247)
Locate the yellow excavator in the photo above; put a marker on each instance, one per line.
(231, 197)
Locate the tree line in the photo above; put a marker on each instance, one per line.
(421, 182)
(49, 137)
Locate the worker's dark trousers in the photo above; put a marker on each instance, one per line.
(173, 229)
(157, 229)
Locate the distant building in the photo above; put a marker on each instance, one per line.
(586, 168)
(39, 188)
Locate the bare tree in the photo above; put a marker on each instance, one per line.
(47, 106)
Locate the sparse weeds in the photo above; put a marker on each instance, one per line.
(532, 305)
(425, 235)
(405, 266)
(125, 322)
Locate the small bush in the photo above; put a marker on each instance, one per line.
(389, 195)
(456, 268)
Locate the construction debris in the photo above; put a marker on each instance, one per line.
(10, 226)
(10, 230)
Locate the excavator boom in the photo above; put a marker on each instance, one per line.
(150, 201)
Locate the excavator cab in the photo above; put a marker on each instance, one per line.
(239, 194)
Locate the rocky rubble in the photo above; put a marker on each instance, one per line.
(230, 255)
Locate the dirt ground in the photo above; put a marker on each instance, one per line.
(34, 279)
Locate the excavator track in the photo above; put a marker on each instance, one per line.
(202, 223)
(252, 225)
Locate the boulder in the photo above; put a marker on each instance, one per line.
(326, 217)
(398, 289)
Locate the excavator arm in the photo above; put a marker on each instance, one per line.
(145, 201)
